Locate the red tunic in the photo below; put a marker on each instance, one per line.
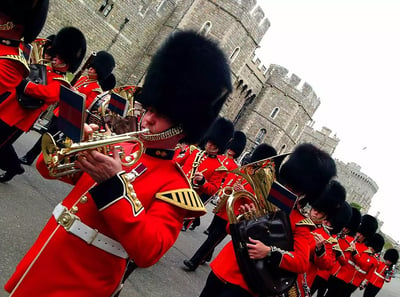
(212, 169)
(61, 264)
(343, 269)
(377, 278)
(365, 262)
(90, 88)
(14, 115)
(226, 268)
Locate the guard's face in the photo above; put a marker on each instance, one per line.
(155, 122)
(317, 216)
(211, 148)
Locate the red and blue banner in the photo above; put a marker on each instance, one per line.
(282, 197)
(71, 115)
(118, 104)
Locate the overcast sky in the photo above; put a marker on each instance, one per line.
(348, 51)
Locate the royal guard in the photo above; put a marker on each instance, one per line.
(68, 50)
(100, 68)
(306, 172)
(203, 168)
(382, 274)
(339, 237)
(366, 262)
(19, 19)
(330, 205)
(342, 284)
(119, 217)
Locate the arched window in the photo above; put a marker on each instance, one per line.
(282, 150)
(294, 130)
(260, 136)
(274, 113)
(205, 29)
(234, 54)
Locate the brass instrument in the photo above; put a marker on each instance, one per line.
(60, 161)
(37, 52)
(225, 193)
(267, 224)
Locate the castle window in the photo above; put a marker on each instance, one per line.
(205, 29)
(234, 54)
(294, 130)
(260, 136)
(106, 7)
(274, 113)
(282, 149)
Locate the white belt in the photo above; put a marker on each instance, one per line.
(379, 275)
(91, 236)
(356, 267)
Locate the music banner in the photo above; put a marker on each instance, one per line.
(118, 104)
(71, 115)
(281, 197)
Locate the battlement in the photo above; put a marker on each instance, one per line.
(248, 13)
(293, 86)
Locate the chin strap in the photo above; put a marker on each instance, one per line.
(171, 132)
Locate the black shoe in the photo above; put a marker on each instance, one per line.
(8, 175)
(24, 160)
(206, 232)
(192, 227)
(189, 266)
(183, 228)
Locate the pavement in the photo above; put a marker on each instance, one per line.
(27, 202)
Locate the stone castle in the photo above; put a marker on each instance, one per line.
(268, 104)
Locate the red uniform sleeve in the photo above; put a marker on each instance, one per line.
(49, 93)
(212, 183)
(11, 74)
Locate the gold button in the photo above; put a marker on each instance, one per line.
(83, 199)
(74, 209)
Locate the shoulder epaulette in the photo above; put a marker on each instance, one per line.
(192, 148)
(64, 80)
(331, 240)
(306, 222)
(183, 198)
(336, 247)
(20, 58)
(222, 167)
(368, 251)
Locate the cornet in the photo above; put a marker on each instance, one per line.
(60, 161)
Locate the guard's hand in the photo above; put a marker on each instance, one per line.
(99, 166)
(257, 249)
(319, 240)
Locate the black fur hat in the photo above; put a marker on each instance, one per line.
(262, 151)
(188, 81)
(108, 83)
(354, 222)
(238, 143)
(368, 226)
(377, 242)
(391, 255)
(331, 199)
(31, 15)
(220, 133)
(70, 45)
(103, 63)
(340, 218)
(307, 171)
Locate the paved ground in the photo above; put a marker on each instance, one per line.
(26, 204)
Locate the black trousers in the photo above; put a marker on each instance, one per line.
(320, 285)
(216, 288)
(217, 232)
(371, 291)
(9, 158)
(37, 147)
(336, 287)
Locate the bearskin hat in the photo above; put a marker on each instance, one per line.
(220, 133)
(340, 218)
(377, 242)
(103, 63)
(262, 151)
(307, 170)
(188, 81)
(238, 143)
(391, 255)
(354, 222)
(70, 45)
(368, 226)
(108, 83)
(331, 199)
(28, 17)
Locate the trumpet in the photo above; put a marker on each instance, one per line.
(60, 161)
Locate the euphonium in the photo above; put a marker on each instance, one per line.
(267, 224)
(223, 197)
(60, 161)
